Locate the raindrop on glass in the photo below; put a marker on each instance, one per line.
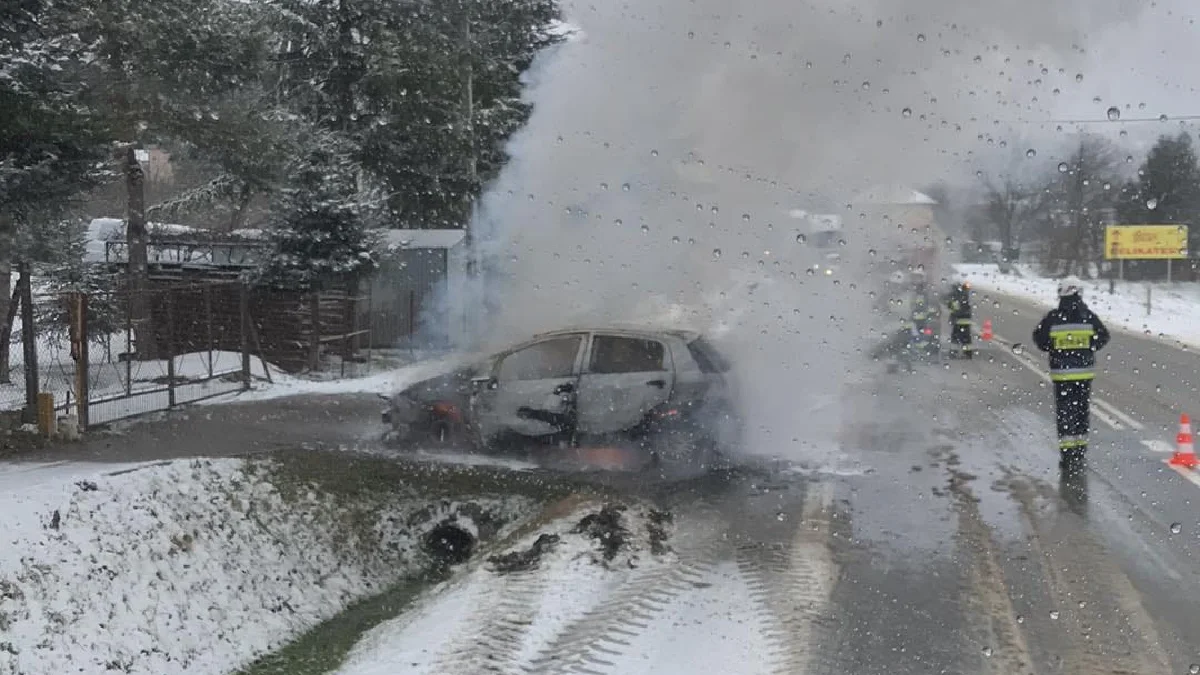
(675, 240)
(716, 253)
(801, 238)
(1152, 203)
(920, 37)
(1176, 528)
(645, 229)
(907, 112)
(654, 153)
(1162, 118)
(987, 651)
(625, 187)
(1114, 113)
(1054, 615)
(618, 222)
(1031, 153)
(745, 217)
(1079, 77)
(1062, 167)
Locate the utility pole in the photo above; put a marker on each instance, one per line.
(472, 160)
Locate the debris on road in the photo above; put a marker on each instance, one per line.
(606, 527)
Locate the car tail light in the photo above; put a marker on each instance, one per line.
(446, 409)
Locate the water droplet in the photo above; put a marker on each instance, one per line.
(810, 271)
(618, 222)
(691, 35)
(781, 516)
(1162, 118)
(1079, 77)
(1031, 153)
(801, 238)
(645, 229)
(866, 85)
(716, 253)
(1018, 349)
(1054, 615)
(1062, 167)
(1114, 113)
(907, 112)
(871, 252)
(1152, 203)
(625, 187)
(654, 153)
(1107, 186)
(1194, 668)
(675, 240)
(715, 210)
(1129, 159)
(987, 651)
(1176, 528)
(604, 186)
(920, 37)
(745, 217)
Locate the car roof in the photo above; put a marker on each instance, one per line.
(685, 335)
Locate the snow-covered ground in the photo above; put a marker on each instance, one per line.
(1174, 308)
(507, 621)
(385, 382)
(194, 566)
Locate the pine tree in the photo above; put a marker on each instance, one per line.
(321, 229)
(1167, 189)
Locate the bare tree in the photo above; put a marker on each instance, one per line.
(1080, 197)
(1011, 207)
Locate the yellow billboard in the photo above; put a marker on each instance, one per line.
(1145, 242)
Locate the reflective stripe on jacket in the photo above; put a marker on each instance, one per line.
(1072, 335)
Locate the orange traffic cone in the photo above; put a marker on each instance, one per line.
(1185, 453)
(986, 334)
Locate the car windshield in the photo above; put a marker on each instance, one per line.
(360, 337)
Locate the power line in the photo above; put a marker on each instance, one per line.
(1131, 120)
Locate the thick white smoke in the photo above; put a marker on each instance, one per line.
(671, 137)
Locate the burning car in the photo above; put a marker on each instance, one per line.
(645, 388)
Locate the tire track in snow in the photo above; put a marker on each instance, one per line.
(590, 644)
(497, 626)
(792, 581)
(1104, 626)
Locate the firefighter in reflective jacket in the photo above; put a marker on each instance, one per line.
(924, 318)
(1072, 335)
(959, 303)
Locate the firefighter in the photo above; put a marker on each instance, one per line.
(958, 301)
(924, 317)
(1072, 335)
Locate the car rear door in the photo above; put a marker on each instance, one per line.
(531, 387)
(625, 376)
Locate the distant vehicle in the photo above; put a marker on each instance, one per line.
(653, 389)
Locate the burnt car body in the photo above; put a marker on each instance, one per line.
(646, 388)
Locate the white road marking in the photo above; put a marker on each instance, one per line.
(1115, 412)
(1099, 413)
(1189, 474)
(1156, 445)
(1105, 411)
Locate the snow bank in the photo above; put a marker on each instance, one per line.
(1175, 308)
(194, 566)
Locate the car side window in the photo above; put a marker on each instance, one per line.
(611, 354)
(544, 360)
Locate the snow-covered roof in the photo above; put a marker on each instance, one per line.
(402, 239)
(893, 194)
